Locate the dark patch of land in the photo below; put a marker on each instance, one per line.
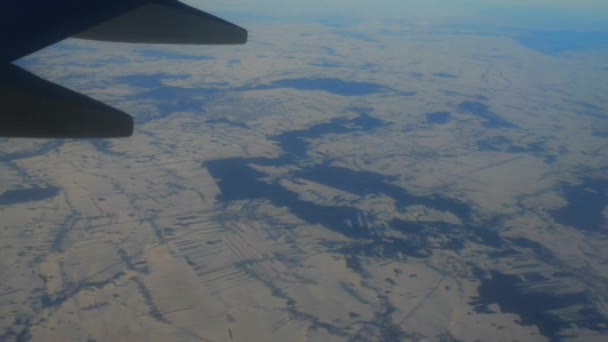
(330, 85)
(505, 145)
(366, 183)
(589, 109)
(238, 180)
(168, 99)
(28, 195)
(327, 64)
(445, 75)
(481, 110)
(585, 205)
(438, 118)
(41, 149)
(537, 303)
(295, 143)
(226, 122)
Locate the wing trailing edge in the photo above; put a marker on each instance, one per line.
(35, 108)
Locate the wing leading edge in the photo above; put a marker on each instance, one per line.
(167, 22)
(33, 107)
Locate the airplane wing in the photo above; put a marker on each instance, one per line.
(32, 107)
(179, 24)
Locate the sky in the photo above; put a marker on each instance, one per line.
(554, 14)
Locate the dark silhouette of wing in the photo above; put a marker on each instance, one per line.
(35, 108)
(167, 22)
(32, 107)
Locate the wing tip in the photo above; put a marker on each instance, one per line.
(245, 36)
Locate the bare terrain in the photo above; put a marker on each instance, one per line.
(328, 184)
